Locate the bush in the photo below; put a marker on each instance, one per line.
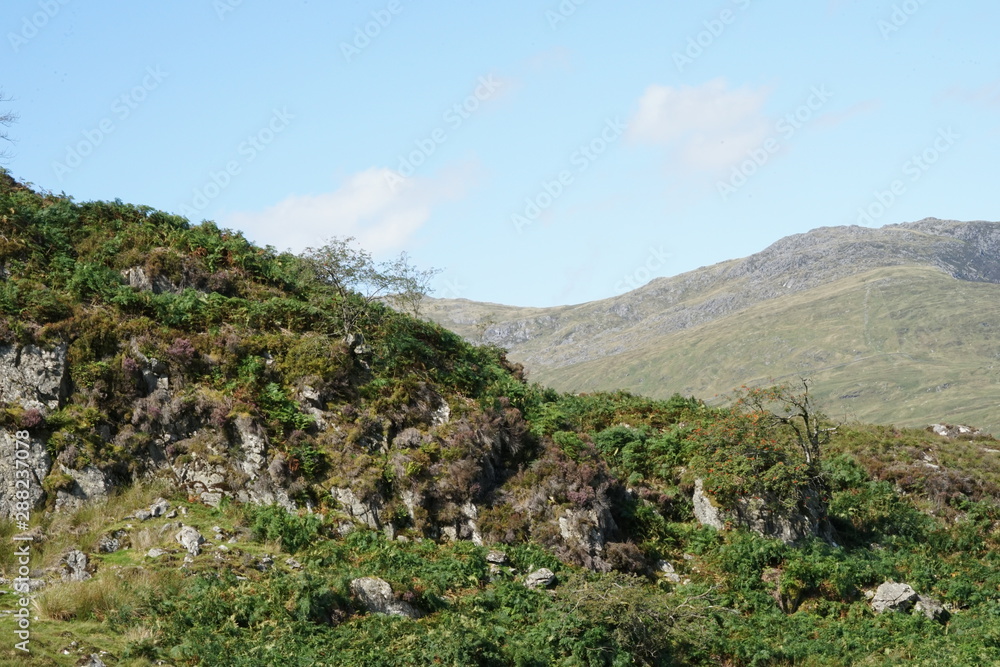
(275, 523)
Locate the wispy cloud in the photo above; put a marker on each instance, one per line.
(381, 210)
(709, 127)
(986, 95)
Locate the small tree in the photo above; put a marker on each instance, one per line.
(794, 410)
(359, 280)
(767, 444)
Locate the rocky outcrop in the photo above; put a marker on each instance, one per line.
(954, 431)
(465, 527)
(767, 517)
(367, 512)
(587, 529)
(16, 477)
(376, 596)
(33, 377)
(88, 484)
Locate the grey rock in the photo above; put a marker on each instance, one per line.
(956, 431)
(155, 552)
(931, 608)
(669, 573)
(265, 563)
(74, 566)
(894, 597)
(766, 517)
(540, 578)
(292, 563)
(497, 557)
(586, 529)
(92, 660)
(90, 483)
(37, 462)
(143, 515)
(190, 539)
(112, 542)
(367, 512)
(159, 507)
(705, 510)
(377, 597)
(33, 377)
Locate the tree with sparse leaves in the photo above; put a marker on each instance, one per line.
(796, 411)
(359, 280)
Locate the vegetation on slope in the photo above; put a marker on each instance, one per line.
(239, 328)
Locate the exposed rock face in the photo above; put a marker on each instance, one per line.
(38, 463)
(367, 512)
(89, 484)
(705, 509)
(766, 517)
(587, 529)
(894, 597)
(377, 597)
(138, 280)
(33, 377)
(465, 527)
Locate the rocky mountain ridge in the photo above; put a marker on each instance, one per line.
(561, 343)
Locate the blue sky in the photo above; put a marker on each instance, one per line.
(539, 153)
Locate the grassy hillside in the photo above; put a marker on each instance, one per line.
(188, 371)
(897, 327)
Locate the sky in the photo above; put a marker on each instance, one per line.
(537, 153)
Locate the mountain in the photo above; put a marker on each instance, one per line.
(894, 325)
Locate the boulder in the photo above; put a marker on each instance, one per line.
(669, 573)
(496, 557)
(931, 608)
(894, 597)
(540, 578)
(112, 542)
(74, 566)
(376, 596)
(159, 507)
(190, 539)
(953, 431)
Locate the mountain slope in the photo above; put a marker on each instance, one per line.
(896, 324)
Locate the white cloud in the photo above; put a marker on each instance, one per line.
(708, 127)
(382, 210)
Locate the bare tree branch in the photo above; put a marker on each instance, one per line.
(7, 118)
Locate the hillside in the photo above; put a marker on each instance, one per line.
(894, 325)
(210, 454)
